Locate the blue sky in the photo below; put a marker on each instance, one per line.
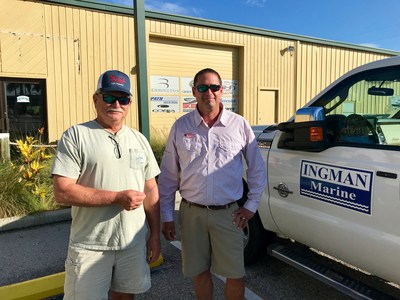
(363, 22)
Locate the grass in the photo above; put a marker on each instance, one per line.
(16, 199)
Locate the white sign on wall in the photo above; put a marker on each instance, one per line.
(164, 84)
(188, 103)
(165, 104)
(230, 87)
(230, 104)
(186, 85)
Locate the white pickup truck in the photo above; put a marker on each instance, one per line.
(334, 174)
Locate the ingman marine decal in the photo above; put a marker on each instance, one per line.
(346, 187)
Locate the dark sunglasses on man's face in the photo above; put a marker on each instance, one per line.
(203, 88)
(110, 99)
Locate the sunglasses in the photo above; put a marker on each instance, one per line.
(204, 88)
(110, 99)
(117, 147)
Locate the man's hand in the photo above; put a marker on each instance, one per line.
(130, 199)
(241, 216)
(168, 229)
(153, 248)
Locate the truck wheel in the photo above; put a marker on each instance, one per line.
(255, 240)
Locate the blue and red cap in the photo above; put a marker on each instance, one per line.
(114, 81)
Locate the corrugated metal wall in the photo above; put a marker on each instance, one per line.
(22, 43)
(318, 66)
(80, 45)
(70, 47)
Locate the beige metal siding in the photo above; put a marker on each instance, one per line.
(22, 43)
(81, 45)
(179, 58)
(318, 66)
(262, 62)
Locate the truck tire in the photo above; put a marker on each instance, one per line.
(256, 238)
(255, 241)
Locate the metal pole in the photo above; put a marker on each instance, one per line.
(141, 67)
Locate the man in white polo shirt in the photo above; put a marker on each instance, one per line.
(106, 171)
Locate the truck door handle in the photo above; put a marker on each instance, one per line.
(283, 190)
(386, 174)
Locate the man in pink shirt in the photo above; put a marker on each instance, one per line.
(203, 160)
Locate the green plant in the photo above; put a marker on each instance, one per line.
(14, 197)
(25, 185)
(33, 156)
(157, 141)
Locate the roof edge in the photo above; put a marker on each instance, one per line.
(115, 8)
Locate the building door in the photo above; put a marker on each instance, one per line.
(267, 106)
(22, 106)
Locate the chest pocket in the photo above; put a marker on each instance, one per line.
(138, 159)
(190, 147)
(227, 150)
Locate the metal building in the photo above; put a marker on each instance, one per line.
(52, 52)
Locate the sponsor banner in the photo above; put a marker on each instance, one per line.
(186, 85)
(166, 104)
(230, 87)
(164, 84)
(341, 186)
(188, 103)
(230, 104)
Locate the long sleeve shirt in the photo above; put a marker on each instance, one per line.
(205, 163)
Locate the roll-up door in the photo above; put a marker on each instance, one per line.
(172, 66)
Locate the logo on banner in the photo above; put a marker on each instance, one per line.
(342, 186)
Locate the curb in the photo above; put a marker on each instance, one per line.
(38, 288)
(13, 223)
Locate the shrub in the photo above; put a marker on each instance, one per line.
(157, 141)
(16, 199)
(33, 157)
(26, 186)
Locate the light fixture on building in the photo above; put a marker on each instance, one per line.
(23, 99)
(289, 49)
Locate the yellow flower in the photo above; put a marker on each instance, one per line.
(35, 167)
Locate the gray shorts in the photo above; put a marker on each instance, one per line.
(90, 274)
(210, 241)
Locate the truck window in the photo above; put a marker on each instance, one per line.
(364, 109)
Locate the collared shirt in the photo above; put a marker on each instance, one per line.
(205, 164)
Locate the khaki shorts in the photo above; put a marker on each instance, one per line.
(210, 241)
(90, 274)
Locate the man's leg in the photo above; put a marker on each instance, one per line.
(234, 289)
(87, 274)
(203, 286)
(121, 296)
(131, 272)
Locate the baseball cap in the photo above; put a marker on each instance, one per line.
(114, 81)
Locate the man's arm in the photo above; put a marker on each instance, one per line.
(152, 209)
(68, 192)
(256, 171)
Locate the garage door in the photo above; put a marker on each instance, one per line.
(172, 66)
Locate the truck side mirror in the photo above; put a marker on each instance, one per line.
(306, 133)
